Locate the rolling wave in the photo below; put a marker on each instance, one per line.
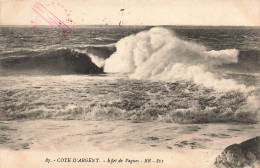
(61, 61)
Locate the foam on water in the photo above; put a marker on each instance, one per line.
(160, 54)
(120, 98)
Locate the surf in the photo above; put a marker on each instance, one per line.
(159, 54)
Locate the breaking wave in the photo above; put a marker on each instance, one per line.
(88, 59)
(159, 54)
(97, 53)
(53, 62)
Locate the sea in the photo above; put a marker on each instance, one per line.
(169, 74)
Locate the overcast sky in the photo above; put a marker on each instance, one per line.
(136, 12)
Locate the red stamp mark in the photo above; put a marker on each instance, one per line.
(49, 17)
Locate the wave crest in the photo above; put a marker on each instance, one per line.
(160, 54)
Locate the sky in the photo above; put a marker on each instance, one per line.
(134, 12)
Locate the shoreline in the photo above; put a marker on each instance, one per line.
(198, 143)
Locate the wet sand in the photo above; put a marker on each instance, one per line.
(182, 145)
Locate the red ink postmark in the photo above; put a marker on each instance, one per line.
(46, 15)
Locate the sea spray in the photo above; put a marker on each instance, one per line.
(159, 54)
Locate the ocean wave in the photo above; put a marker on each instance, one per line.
(149, 54)
(97, 53)
(159, 54)
(52, 62)
(101, 51)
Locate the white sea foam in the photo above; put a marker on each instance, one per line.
(160, 54)
(100, 62)
(227, 56)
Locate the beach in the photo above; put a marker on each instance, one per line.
(198, 143)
